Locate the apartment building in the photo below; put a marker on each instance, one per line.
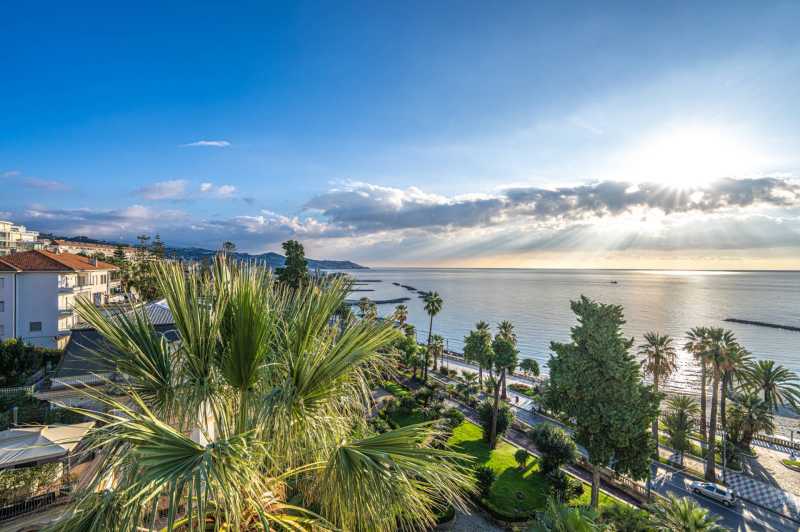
(86, 248)
(38, 290)
(15, 238)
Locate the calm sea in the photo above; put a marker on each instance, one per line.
(537, 302)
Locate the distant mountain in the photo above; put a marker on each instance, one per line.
(273, 260)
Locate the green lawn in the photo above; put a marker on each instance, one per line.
(395, 389)
(515, 493)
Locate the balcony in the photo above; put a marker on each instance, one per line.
(66, 311)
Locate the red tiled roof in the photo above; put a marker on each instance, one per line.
(6, 267)
(40, 260)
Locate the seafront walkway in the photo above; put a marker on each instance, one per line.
(760, 502)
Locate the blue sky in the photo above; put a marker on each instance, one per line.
(394, 133)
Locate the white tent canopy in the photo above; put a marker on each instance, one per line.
(21, 445)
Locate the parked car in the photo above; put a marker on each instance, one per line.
(714, 491)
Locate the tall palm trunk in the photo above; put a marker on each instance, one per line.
(711, 469)
(703, 383)
(493, 433)
(428, 351)
(655, 421)
(723, 399)
(503, 382)
(595, 485)
(480, 377)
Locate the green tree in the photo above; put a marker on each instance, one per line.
(659, 357)
(749, 415)
(521, 457)
(625, 518)
(683, 514)
(141, 249)
(557, 447)
(228, 247)
(529, 366)
(437, 349)
(505, 356)
(468, 387)
(595, 381)
(433, 305)
(478, 349)
(363, 306)
(157, 247)
(777, 385)
(400, 314)
(484, 478)
(697, 344)
(494, 417)
(119, 254)
(295, 270)
(679, 421)
(255, 417)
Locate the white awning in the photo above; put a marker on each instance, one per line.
(34, 444)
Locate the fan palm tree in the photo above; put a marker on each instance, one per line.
(750, 415)
(400, 314)
(558, 517)
(262, 400)
(680, 421)
(437, 349)
(696, 344)
(468, 387)
(721, 343)
(659, 362)
(777, 385)
(682, 514)
(433, 305)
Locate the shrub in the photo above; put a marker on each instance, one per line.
(625, 518)
(379, 424)
(504, 419)
(562, 487)
(19, 360)
(453, 417)
(423, 396)
(484, 477)
(452, 373)
(407, 405)
(556, 446)
(17, 484)
(521, 456)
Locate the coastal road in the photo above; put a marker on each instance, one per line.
(744, 516)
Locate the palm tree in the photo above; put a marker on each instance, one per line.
(750, 415)
(675, 514)
(477, 348)
(696, 344)
(738, 360)
(400, 314)
(437, 349)
(559, 517)
(505, 354)
(659, 362)
(721, 344)
(261, 400)
(680, 421)
(467, 388)
(505, 329)
(433, 305)
(777, 385)
(363, 306)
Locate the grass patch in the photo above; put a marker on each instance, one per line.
(401, 420)
(696, 452)
(791, 464)
(395, 389)
(516, 493)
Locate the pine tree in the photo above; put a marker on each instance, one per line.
(295, 270)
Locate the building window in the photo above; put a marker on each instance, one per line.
(2, 330)
(2, 282)
(35, 326)
(2, 306)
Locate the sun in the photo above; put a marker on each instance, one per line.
(690, 156)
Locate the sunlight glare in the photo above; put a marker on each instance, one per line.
(690, 156)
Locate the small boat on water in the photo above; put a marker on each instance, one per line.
(614, 282)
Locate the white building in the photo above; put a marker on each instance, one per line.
(38, 291)
(86, 248)
(17, 238)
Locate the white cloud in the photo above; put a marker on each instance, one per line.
(222, 191)
(207, 143)
(173, 189)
